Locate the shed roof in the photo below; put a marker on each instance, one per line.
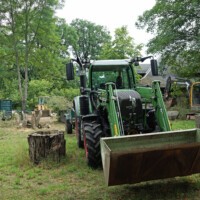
(149, 78)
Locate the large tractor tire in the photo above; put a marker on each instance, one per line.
(92, 135)
(80, 142)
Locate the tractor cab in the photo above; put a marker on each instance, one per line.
(118, 72)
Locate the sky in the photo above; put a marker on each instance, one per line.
(111, 14)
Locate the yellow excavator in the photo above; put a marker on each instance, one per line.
(190, 91)
(42, 112)
(42, 106)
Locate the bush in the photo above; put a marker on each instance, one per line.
(182, 106)
(57, 103)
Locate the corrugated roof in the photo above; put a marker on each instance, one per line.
(149, 78)
(142, 68)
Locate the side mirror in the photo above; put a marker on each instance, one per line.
(70, 71)
(154, 67)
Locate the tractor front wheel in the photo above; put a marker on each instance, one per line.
(92, 135)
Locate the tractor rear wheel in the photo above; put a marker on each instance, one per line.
(92, 135)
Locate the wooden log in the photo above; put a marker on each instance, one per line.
(46, 144)
(44, 122)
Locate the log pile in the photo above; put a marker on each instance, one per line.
(46, 144)
(37, 119)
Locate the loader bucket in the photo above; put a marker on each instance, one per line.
(144, 157)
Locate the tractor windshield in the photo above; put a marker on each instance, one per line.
(122, 77)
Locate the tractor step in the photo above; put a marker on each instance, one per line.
(144, 157)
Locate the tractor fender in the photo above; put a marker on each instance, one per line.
(90, 117)
(82, 105)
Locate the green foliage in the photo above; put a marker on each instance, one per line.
(34, 48)
(177, 91)
(71, 93)
(182, 124)
(68, 36)
(59, 98)
(28, 49)
(38, 88)
(182, 100)
(6, 88)
(68, 93)
(175, 25)
(91, 38)
(56, 103)
(137, 76)
(121, 47)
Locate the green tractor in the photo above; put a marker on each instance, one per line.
(125, 127)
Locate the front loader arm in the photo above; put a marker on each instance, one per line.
(160, 110)
(114, 115)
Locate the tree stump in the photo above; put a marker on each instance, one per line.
(45, 144)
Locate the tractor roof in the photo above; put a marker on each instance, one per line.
(110, 62)
(99, 65)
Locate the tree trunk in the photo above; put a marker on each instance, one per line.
(46, 144)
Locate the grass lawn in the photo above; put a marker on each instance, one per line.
(71, 178)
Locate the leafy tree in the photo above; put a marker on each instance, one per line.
(68, 36)
(175, 25)
(91, 38)
(29, 41)
(38, 88)
(121, 47)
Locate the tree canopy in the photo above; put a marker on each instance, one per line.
(91, 38)
(121, 47)
(29, 42)
(34, 49)
(175, 25)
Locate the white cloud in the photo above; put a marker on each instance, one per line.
(109, 13)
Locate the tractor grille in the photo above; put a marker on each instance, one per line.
(130, 103)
